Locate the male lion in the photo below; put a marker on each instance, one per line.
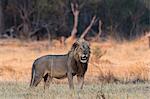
(75, 62)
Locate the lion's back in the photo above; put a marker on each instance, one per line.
(49, 61)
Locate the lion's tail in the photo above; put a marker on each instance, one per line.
(32, 75)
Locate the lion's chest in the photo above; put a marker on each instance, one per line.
(79, 69)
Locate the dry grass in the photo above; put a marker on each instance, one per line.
(21, 90)
(125, 62)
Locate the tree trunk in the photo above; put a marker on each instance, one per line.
(26, 25)
(99, 31)
(1, 18)
(26, 30)
(149, 41)
(75, 11)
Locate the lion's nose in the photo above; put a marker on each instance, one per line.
(85, 55)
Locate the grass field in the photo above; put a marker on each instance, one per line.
(18, 90)
(126, 63)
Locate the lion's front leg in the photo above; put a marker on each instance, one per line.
(70, 80)
(80, 81)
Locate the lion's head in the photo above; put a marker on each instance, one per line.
(81, 50)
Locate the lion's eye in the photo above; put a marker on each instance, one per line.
(81, 49)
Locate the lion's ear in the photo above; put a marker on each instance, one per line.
(88, 43)
(75, 45)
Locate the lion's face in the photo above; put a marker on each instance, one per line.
(82, 51)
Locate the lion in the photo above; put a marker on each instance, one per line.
(75, 62)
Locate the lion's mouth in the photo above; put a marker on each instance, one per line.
(84, 59)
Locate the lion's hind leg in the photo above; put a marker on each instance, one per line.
(36, 79)
(47, 80)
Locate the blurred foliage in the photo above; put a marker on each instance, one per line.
(122, 19)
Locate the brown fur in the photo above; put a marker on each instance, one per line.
(75, 62)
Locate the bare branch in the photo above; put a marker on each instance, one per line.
(72, 8)
(89, 27)
(97, 37)
(75, 11)
(100, 28)
(82, 4)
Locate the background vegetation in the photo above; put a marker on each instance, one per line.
(40, 19)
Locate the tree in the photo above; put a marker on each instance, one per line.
(99, 31)
(127, 20)
(25, 10)
(1, 18)
(75, 11)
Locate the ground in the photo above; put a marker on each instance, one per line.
(122, 63)
(12, 90)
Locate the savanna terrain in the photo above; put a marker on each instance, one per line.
(116, 70)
